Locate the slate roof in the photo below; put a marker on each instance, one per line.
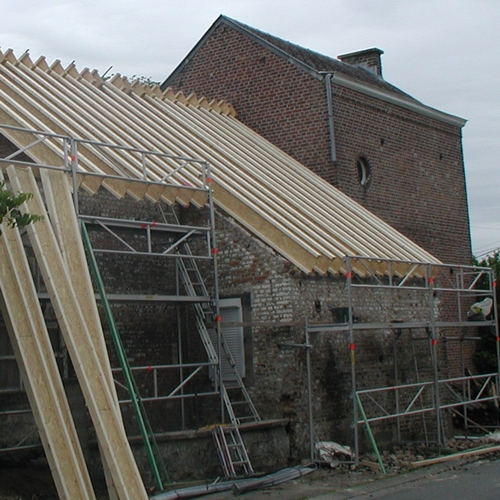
(343, 74)
(301, 216)
(315, 61)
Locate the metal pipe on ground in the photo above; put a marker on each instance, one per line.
(271, 479)
(238, 486)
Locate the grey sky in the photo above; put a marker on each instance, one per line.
(443, 52)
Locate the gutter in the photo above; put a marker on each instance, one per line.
(351, 84)
(393, 99)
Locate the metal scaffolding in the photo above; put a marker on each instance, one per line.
(443, 294)
(164, 239)
(434, 285)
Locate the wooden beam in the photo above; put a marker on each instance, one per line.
(454, 456)
(57, 191)
(56, 186)
(31, 343)
(75, 327)
(264, 229)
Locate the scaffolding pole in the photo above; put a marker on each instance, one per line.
(156, 463)
(430, 280)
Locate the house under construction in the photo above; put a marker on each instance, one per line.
(189, 275)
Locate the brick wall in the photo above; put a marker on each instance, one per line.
(274, 98)
(281, 300)
(417, 180)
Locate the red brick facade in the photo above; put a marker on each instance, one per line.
(417, 181)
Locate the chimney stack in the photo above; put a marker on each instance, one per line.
(368, 59)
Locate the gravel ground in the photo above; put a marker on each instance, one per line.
(33, 480)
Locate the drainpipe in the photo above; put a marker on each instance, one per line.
(331, 127)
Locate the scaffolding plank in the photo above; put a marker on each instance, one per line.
(31, 343)
(93, 380)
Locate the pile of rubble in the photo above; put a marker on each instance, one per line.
(404, 458)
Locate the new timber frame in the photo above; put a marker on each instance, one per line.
(444, 294)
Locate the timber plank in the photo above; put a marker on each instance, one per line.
(75, 329)
(455, 456)
(31, 343)
(63, 219)
(56, 185)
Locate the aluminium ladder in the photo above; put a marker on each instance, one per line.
(239, 406)
(232, 452)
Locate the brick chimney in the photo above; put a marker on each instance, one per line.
(368, 59)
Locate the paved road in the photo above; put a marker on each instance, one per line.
(475, 481)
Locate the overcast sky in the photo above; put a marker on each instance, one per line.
(445, 53)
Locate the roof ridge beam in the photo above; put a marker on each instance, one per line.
(215, 106)
(9, 56)
(221, 107)
(192, 99)
(71, 70)
(98, 80)
(86, 74)
(119, 82)
(168, 94)
(180, 97)
(140, 89)
(25, 59)
(155, 90)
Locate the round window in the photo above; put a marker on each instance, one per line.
(364, 170)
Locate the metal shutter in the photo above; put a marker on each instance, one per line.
(230, 312)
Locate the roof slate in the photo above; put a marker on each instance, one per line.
(318, 62)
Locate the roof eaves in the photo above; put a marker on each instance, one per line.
(398, 101)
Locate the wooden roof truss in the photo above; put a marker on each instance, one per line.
(306, 220)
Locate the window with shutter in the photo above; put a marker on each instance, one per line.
(231, 312)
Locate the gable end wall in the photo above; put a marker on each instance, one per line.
(274, 98)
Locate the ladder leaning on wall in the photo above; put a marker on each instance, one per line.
(236, 399)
